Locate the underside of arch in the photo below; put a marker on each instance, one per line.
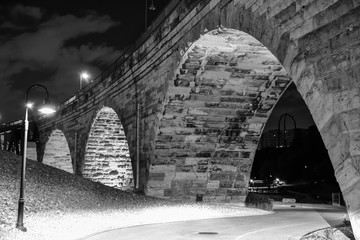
(57, 152)
(107, 156)
(213, 116)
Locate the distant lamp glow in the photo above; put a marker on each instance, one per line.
(152, 6)
(83, 76)
(29, 105)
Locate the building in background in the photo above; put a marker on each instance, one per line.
(282, 138)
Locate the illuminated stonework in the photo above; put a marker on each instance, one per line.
(107, 157)
(57, 153)
(216, 107)
(317, 42)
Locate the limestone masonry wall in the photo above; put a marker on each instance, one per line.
(57, 153)
(107, 158)
(215, 110)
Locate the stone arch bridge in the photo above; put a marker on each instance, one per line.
(181, 112)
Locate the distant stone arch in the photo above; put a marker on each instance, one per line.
(57, 152)
(107, 157)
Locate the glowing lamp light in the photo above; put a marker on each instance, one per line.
(152, 6)
(29, 105)
(47, 109)
(84, 75)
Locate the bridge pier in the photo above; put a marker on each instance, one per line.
(215, 109)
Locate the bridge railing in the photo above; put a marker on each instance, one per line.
(10, 125)
(124, 57)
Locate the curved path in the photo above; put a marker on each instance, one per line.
(287, 223)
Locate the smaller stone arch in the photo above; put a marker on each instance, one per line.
(57, 152)
(107, 156)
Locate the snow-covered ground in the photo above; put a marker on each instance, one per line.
(60, 205)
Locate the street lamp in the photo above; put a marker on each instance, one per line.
(0, 135)
(46, 109)
(152, 8)
(83, 76)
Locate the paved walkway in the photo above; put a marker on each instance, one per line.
(289, 222)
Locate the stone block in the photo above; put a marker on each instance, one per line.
(219, 176)
(162, 168)
(238, 198)
(154, 191)
(185, 176)
(347, 175)
(167, 192)
(240, 184)
(226, 184)
(346, 100)
(157, 176)
(200, 184)
(236, 192)
(160, 184)
(194, 161)
(213, 184)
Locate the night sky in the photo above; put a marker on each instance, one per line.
(52, 42)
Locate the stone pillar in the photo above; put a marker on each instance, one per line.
(349, 181)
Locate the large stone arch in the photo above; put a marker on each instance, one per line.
(107, 157)
(318, 44)
(214, 112)
(317, 71)
(57, 152)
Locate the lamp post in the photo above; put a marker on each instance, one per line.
(152, 8)
(45, 109)
(285, 115)
(83, 76)
(0, 135)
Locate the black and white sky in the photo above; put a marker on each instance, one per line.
(52, 42)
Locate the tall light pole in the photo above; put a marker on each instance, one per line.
(83, 76)
(152, 8)
(0, 135)
(45, 109)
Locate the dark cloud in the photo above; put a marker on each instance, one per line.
(44, 48)
(19, 17)
(21, 10)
